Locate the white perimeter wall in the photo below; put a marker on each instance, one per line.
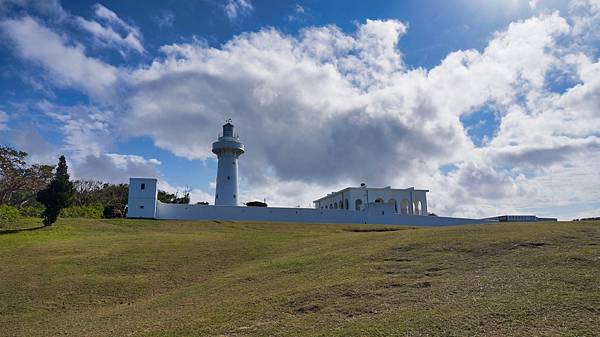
(276, 214)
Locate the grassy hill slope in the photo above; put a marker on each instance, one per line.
(173, 278)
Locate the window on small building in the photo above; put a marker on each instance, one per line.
(142, 206)
(228, 178)
(143, 186)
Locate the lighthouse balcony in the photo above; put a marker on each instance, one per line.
(227, 144)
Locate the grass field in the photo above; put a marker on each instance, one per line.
(171, 278)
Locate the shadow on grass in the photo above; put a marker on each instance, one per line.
(370, 230)
(12, 231)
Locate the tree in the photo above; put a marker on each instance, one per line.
(58, 195)
(170, 198)
(19, 183)
(88, 192)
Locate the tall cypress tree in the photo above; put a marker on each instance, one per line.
(58, 195)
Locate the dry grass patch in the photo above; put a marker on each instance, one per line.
(177, 278)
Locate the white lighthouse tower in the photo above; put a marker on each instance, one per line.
(228, 148)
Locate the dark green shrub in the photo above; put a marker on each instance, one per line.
(91, 211)
(111, 212)
(256, 204)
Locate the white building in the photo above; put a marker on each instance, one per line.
(407, 201)
(143, 198)
(353, 205)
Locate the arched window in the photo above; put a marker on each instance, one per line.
(395, 203)
(335, 204)
(405, 207)
(358, 204)
(330, 205)
(379, 200)
(346, 202)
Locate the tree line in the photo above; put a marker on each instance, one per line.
(48, 192)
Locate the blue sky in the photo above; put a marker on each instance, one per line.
(493, 105)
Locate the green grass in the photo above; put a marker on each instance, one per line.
(92, 277)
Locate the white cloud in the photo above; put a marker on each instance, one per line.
(328, 109)
(166, 19)
(88, 134)
(236, 8)
(87, 130)
(109, 32)
(533, 3)
(298, 14)
(196, 194)
(67, 64)
(51, 8)
(114, 168)
(30, 140)
(112, 17)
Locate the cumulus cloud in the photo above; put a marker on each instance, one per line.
(325, 109)
(66, 63)
(236, 8)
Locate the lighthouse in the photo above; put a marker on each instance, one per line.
(228, 149)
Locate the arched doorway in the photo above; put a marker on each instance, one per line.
(405, 207)
(379, 200)
(395, 203)
(358, 204)
(418, 207)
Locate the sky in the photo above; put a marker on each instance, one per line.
(493, 106)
